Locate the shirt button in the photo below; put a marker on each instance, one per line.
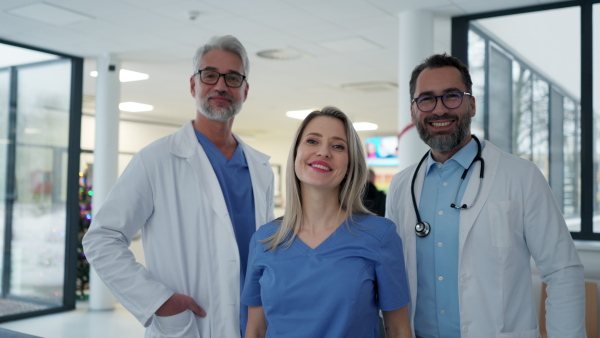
(443, 312)
(462, 279)
(440, 244)
(440, 212)
(440, 278)
(445, 184)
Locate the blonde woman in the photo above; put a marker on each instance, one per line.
(328, 266)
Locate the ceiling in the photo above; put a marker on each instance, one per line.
(342, 43)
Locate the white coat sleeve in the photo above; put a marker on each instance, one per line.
(106, 244)
(554, 252)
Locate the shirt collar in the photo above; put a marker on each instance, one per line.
(464, 156)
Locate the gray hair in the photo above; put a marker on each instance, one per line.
(226, 43)
(351, 187)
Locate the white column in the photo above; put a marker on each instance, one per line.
(416, 44)
(106, 151)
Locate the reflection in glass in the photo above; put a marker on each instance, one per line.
(39, 219)
(4, 92)
(522, 103)
(540, 124)
(571, 148)
(477, 70)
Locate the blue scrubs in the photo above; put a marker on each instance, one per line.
(334, 290)
(236, 185)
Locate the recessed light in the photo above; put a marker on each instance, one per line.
(359, 126)
(135, 107)
(371, 86)
(126, 75)
(298, 114)
(286, 53)
(363, 126)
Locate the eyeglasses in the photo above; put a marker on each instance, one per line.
(451, 100)
(210, 77)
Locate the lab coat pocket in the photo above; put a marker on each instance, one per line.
(520, 334)
(181, 325)
(502, 219)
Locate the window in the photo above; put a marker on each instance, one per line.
(40, 112)
(531, 73)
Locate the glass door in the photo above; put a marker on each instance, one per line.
(40, 110)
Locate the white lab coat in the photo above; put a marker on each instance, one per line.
(514, 218)
(170, 191)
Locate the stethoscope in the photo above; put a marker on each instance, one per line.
(423, 228)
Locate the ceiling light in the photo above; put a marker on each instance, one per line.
(371, 86)
(298, 114)
(359, 126)
(286, 53)
(127, 75)
(363, 126)
(134, 107)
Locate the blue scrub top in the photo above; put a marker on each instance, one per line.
(236, 185)
(334, 290)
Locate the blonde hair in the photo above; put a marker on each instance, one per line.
(351, 187)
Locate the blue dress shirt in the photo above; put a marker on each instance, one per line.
(437, 309)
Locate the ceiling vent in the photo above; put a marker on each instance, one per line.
(371, 86)
(283, 54)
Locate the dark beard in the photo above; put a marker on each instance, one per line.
(444, 143)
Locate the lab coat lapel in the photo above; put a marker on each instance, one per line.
(490, 155)
(258, 164)
(186, 145)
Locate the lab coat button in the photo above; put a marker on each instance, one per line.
(465, 329)
(462, 279)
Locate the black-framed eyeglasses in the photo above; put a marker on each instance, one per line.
(450, 100)
(211, 77)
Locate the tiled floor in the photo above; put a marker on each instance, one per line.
(81, 323)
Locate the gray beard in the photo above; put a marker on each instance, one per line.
(218, 114)
(444, 143)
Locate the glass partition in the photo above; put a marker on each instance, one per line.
(40, 107)
(532, 89)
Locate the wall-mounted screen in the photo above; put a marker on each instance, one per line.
(382, 151)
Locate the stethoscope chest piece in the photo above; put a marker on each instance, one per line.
(422, 229)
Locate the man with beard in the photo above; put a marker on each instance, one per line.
(471, 217)
(198, 196)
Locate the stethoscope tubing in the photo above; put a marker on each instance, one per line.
(422, 229)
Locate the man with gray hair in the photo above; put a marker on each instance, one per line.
(197, 195)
